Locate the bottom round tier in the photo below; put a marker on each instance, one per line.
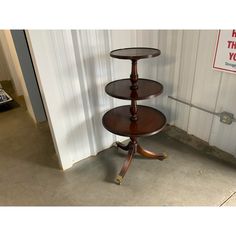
(150, 121)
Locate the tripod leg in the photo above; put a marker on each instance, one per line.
(151, 155)
(126, 164)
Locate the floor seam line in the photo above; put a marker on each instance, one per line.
(227, 199)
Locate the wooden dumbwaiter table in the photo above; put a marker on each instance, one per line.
(135, 120)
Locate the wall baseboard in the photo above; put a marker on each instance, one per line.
(198, 144)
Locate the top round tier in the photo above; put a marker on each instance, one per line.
(135, 53)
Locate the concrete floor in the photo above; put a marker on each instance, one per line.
(30, 174)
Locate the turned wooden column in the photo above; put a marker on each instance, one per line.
(133, 88)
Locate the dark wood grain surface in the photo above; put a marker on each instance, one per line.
(150, 121)
(135, 53)
(146, 89)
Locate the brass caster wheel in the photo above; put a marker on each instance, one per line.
(119, 179)
(165, 155)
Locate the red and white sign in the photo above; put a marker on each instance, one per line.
(225, 54)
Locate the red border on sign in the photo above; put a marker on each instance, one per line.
(217, 44)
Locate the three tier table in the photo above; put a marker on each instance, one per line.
(134, 120)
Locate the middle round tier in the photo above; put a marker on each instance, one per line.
(150, 121)
(146, 89)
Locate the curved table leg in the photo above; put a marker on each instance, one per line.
(122, 146)
(151, 155)
(126, 164)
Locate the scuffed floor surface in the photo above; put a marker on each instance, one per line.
(30, 175)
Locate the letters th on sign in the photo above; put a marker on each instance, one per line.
(225, 53)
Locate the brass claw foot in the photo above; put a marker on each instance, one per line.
(165, 155)
(162, 156)
(118, 179)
